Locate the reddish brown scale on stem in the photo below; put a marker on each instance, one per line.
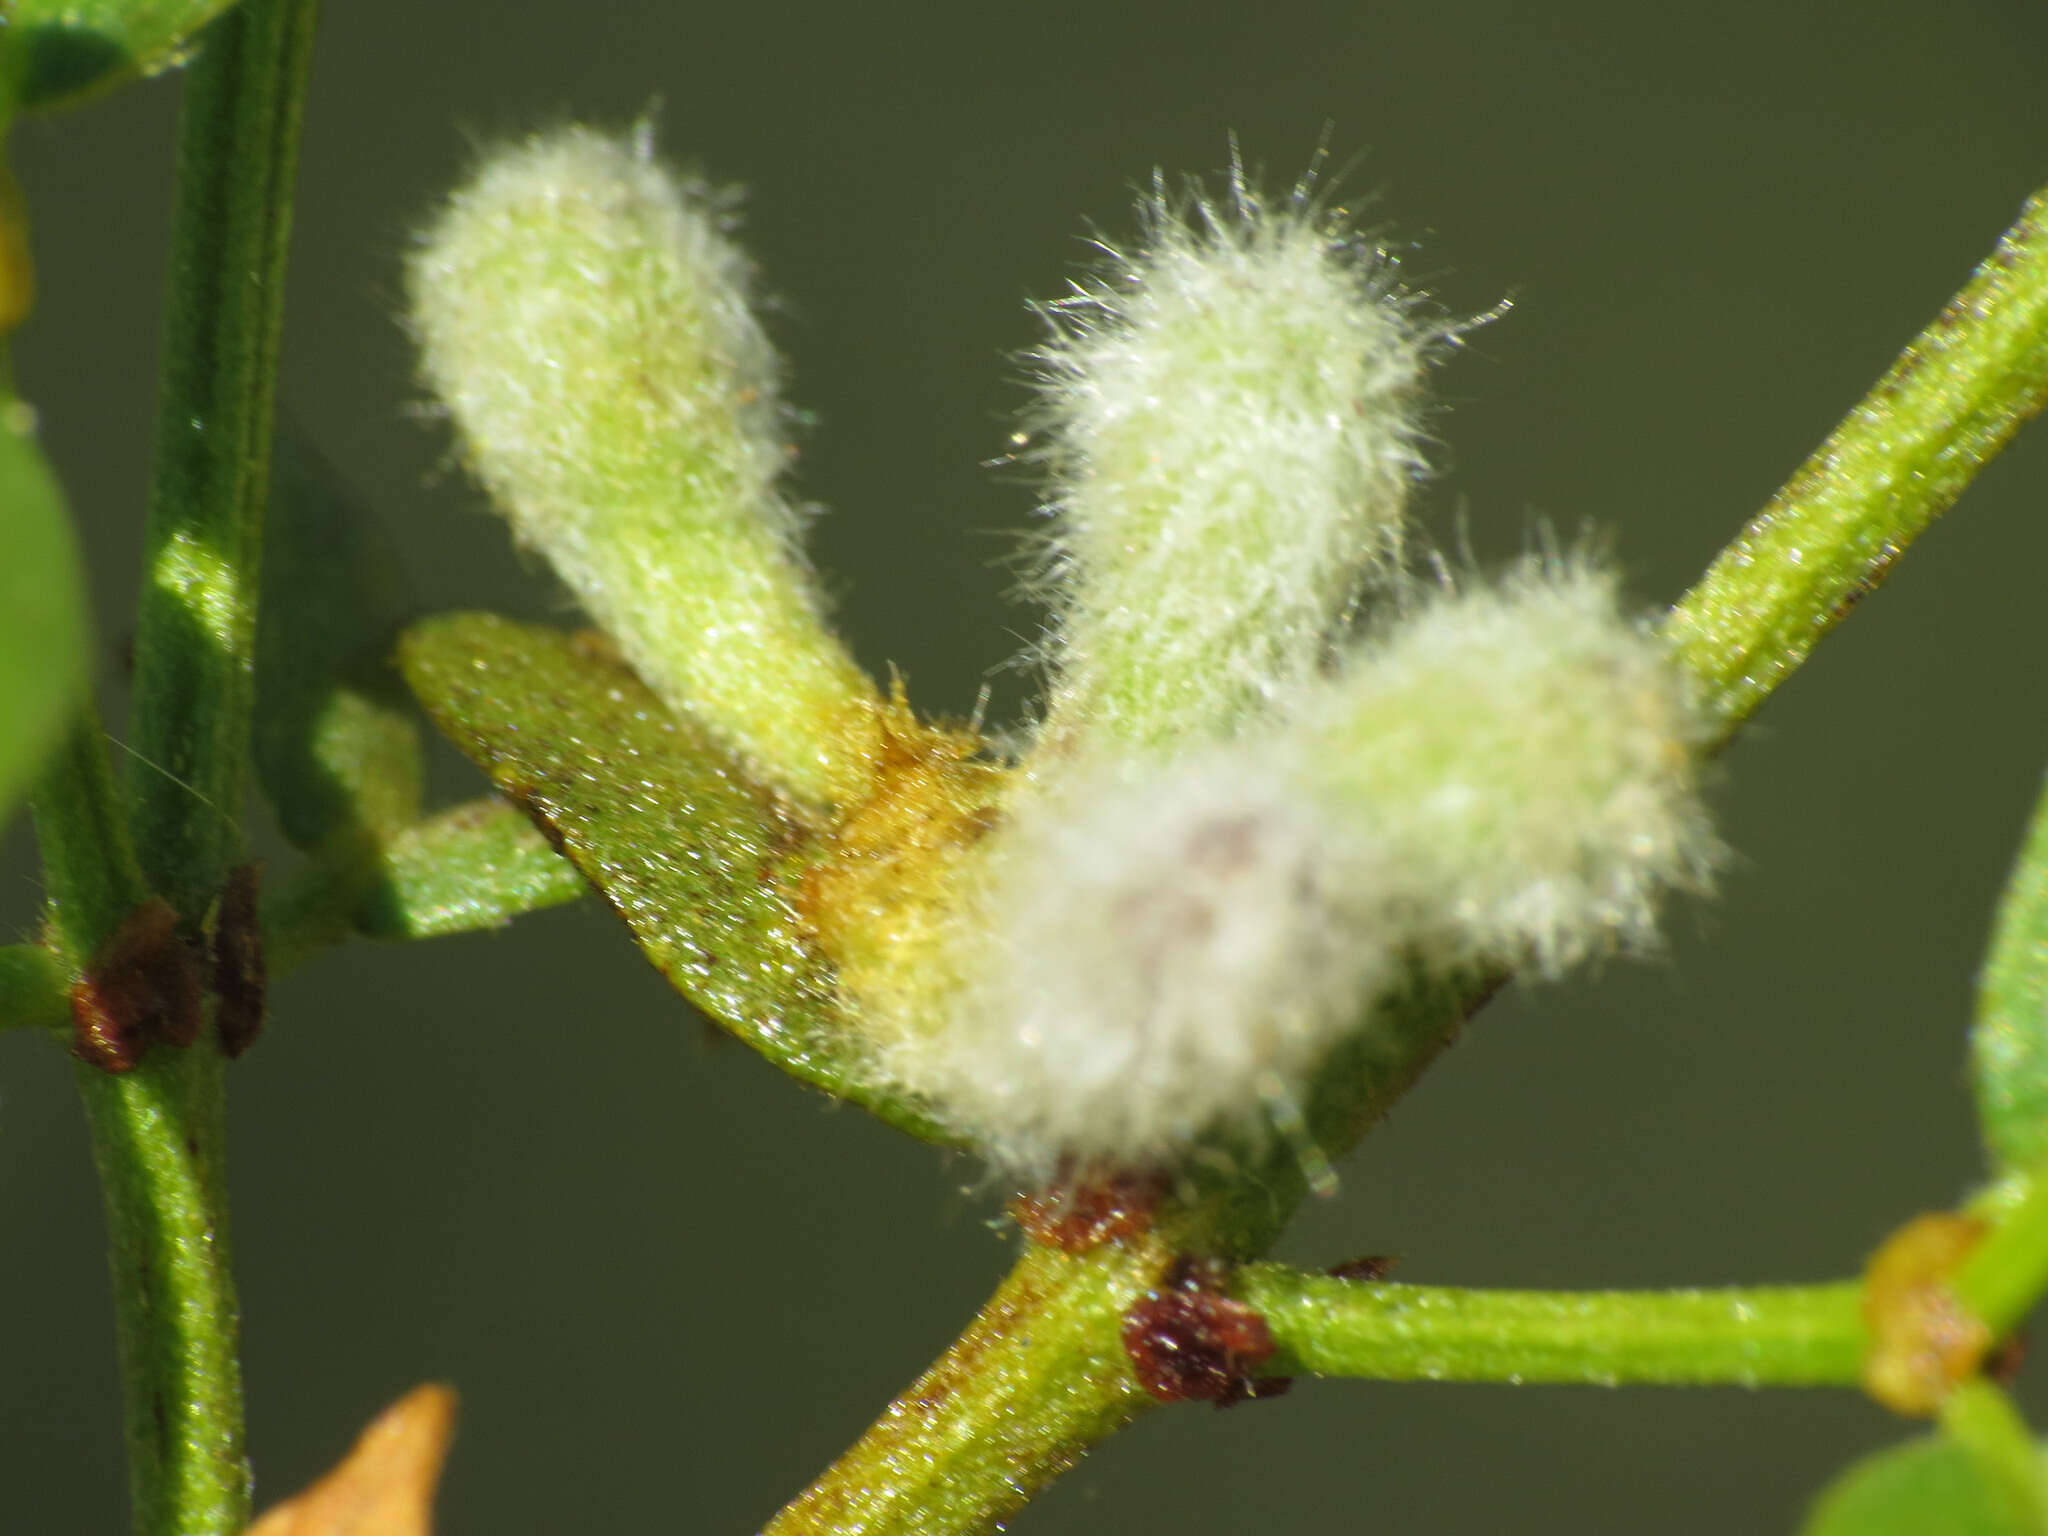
(140, 988)
(1075, 1217)
(239, 973)
(1190, 1342)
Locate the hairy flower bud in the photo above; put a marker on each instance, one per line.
(1167, 949)
(1528, 756)
(1230, 420)
(587, 324)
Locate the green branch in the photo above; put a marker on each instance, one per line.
(202, 546)
(1896, 462)
(157, 1131)
(1753, 1337)
(2006, 1273)
(91, 877)
(1037, 1378)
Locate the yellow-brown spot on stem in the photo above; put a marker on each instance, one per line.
(880, 897)
(1923, 1340)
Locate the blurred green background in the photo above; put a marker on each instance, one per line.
(670, 1284)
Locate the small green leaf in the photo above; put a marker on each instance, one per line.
(472, 866)
(694, 857)
(336, 747)
(2009, 1041)
(1982, 1476)
(63, 52)
(1927, 1487)
(42, 607)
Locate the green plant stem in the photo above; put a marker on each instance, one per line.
(156, 1137)
(91, 878)
(202, 546)
(1759, 1336)
(33, 988)
(1981, 1419)
(478, 865)
(1036, 1379)
(158, 1131)
(1896, 462)
(156, 1140)
(2006, 1273)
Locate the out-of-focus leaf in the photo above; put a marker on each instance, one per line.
(2009, 1041)
(62, 52)
(42, 607)
(335, 745)
(1926, 1487)
(385, 1485)
(690, 853)
(1982, 1476)
(472, 866)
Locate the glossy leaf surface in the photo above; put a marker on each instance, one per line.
(692, 855)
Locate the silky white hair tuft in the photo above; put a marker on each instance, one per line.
(1168, 949)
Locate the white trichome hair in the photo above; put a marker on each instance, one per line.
(1228, 414)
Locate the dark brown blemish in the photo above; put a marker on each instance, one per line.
(1371, 1266)
(240, 976)
(2003, 1364)
(1190, 1342)
(140, 988)
(1077, 1215)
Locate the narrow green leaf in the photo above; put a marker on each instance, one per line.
(697, 860)
(333, 736)
(63, 52)
(1756, 1336)
(42, 608)
(2009, 1041)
